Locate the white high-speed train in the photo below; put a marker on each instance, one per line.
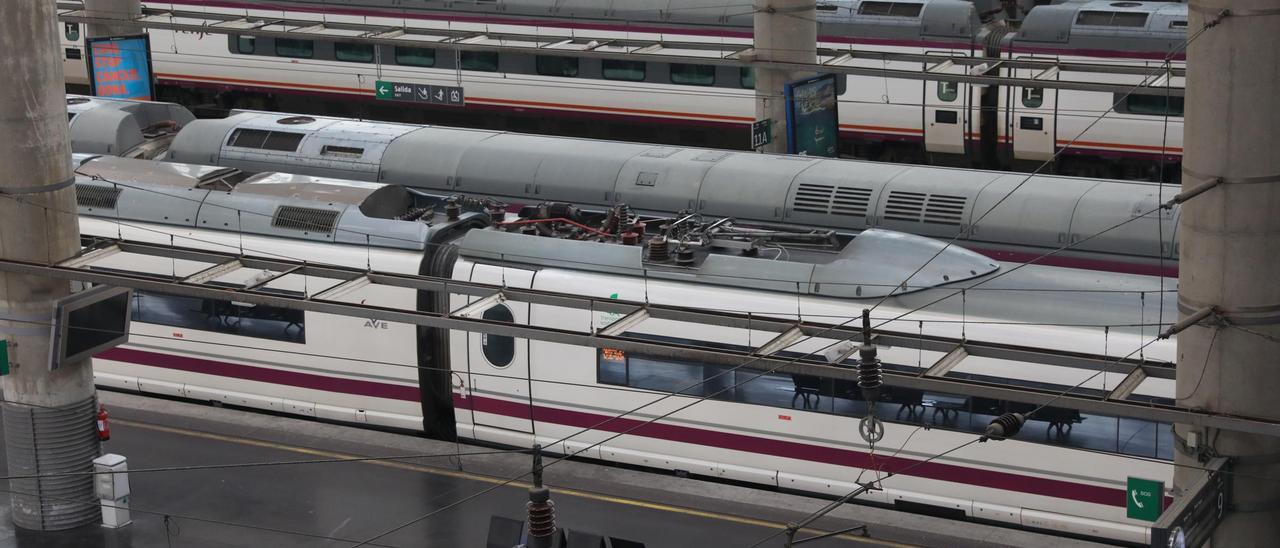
(1064, 472)
(692, 104)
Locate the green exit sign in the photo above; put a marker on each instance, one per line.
(1145, 499)
(4, 357)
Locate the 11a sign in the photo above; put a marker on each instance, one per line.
(761, 132)
(419, 93)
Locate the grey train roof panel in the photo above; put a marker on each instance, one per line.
(272, 204)
(875, 263)
(1106, 25)
(847, 195)
(121, 127)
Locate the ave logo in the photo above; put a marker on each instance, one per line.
(376, 324)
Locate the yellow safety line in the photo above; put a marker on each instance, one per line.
(492, 480)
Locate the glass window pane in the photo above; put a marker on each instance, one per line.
(283, 141)
(248, 138)
(415, 57)
(693, 75)
(557, 66)
(355, 53)
(236, 318)
(948, 91)
(1156, 105)
(246, 44)
(747, 78)
(664, 376)
(498, 349)
(288, 47)
(612, 366)
(486, 61)
(1032, 97)
(614, 69)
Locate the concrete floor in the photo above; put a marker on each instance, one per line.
(344, 503)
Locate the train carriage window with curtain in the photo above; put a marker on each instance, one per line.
(353, 53)
(483, 61)
(549, 65)
(616, 69)
(301, 49)
(246, 45)
(747, 78)
(693, 75)
(415, 57)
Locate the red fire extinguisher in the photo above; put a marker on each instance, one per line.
(104, 424)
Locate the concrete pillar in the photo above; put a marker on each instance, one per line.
(785, 31)
(114, 9)
(48, 416)
(1230, 253)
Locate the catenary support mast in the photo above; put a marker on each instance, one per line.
(785, 31)
(1230, 255)
(48, 415)
(116, 9)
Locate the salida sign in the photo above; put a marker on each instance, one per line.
(120, 67)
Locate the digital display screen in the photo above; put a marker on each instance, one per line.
(88, 322)
(120, 67)
(812, 123)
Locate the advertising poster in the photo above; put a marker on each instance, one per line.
(120, 67)
(812, 124)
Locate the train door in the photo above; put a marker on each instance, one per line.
(1032, 115)
(946, 112)
(498, 365)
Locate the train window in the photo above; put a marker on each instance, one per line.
(289, 47)
(1032, 97)
(548, 65)
(1154, 105)
(248, 138)
(246, 44)
(616, 69)
(948, 91)
(354, 53)
(747, 78)
(498, 349)
(1177, 24)
(230, 317)
(1112, 19)
(281, 140)
(612, 366)
(693, 75)
(415, 57)
(71, 31)
(890, 9)
(485, 61)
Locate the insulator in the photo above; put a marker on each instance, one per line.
(870, 372)
(1005, 426)
(684, 256)
(658, 249)
(452, 210)
(630, 238)
(638, 228)
(542, 516)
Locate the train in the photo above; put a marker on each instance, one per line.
(1065, 472)
(1045, 212)
(897, 120)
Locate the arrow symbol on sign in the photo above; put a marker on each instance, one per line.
(382, 90)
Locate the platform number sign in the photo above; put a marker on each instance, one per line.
(761, 133)
(1145, 499)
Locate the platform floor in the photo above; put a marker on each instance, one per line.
(344, 503)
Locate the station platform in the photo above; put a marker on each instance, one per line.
(341, 504)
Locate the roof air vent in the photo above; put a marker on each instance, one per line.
(1125, 4)
(93, 196)
(308, 219)
(77, 100)
(295, 120)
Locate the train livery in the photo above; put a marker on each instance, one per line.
(1065, 472)
(879, 118)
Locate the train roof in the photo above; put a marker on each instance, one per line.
(851, 195)
(873, 264)
(271, 204)
(122, 127)
(1107, 25)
